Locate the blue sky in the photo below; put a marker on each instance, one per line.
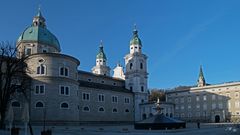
(177, 35)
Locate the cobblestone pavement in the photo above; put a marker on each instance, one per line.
(206, 129)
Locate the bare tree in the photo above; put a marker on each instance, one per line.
(13, 77)
(157, 94)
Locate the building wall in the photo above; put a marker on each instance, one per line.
(205, 103)
(94, 115)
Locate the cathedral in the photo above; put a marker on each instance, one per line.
(61, 93)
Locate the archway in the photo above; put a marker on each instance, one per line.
(144, 116)
(217, 119)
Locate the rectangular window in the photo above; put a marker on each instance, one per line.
(126, 100)
(189, 99)
(28, 51)
(189, 106)
(204, 97)
(182, 100)
(204, 106)
(236, 104)
(213, 97)
(101, 97)
(236, 95)
(176, 100)
(198, 106)
(64, 90)
(114, 99)
(39, 89)
(197, 98)
(220, 106)
(213, 106)
(86, 96)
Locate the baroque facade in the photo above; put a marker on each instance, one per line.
(207, 103)
(61, 93)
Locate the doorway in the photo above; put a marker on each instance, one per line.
(217, 119)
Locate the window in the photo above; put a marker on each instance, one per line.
(141, 66)
(100, 109)
(189, 106)
(213, 106)
(114, 99)
(182, 107)
(64, 105)
(114, 110)
(126, 100)
(176, 107)
(220, 105)
(28, 51)
(86, 96)
(64, 90)
(39, 90)
(189, 99)
(39, 104)
(176, 100)
(189, 115)
(16, 104)
(142, 88)
(182, 100)
(131, 88)
(219, 96)
(197, 98)
(44, 50)
(41, 69)
(204, 106)
(126, 110)
(64, 71)
(198, 106)
(86, 109)
(213, 97)
(236, 95)
(236, 104)
(100, 97)
(204, 97)
(131, 65)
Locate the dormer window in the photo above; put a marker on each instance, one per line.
(28, 51)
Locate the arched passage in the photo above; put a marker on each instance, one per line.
(217, 119)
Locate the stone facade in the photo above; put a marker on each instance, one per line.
(63, 94)
(209, 103)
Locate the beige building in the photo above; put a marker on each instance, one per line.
(210, 103)
(63, 94)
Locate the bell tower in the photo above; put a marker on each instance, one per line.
(136, 76)
(101, 67)
(201, 79)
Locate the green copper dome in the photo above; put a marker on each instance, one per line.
(101, 54)
(135, 39)
(38, 32)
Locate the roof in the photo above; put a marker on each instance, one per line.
(39, 34)
(101, 54)
(103, 86)
(99, 75)
(135, 39)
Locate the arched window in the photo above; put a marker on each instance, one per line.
(86, 109)
(114, 110)
(101, 109)
(127, 111)
(41, 70)
(16, 104)
(39, 105)
(141, 65)
(131, 65)
(142, 88)
(170, 114)
(64, 71)
(64, 105)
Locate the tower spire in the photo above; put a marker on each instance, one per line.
(201, 79)
(39, 20)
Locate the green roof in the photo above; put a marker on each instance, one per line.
(39, 34)
(135, 39)
(101, 54)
